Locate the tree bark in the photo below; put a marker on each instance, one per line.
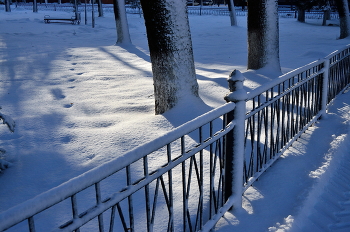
(123, 35)
(171, 53)
(263, 35)
(343, 11)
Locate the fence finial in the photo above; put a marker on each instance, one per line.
(235, 84)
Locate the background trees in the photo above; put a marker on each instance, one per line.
(342, 6)
(304, 5)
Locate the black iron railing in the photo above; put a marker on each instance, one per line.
(278, 114)
(282, 110)
(174, 183)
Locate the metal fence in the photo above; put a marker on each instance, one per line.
(192, 10)
(147, 189)
(281, 111)
(187, 179)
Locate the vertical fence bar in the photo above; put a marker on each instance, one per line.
(75, 209)
(98, 202)
(235, 155)
(147, 195)
(31, 224)
(324, 92)
(130, 199)
(184, 187)
(171, 197)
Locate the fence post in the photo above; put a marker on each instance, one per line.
(325, 81)
(234, 149)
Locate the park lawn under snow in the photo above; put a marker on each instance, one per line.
(80, 101)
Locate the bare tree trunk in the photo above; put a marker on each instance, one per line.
(100, 8)
(263, 35)
(231, 8)
(326, 16)
(35, 6)
(301, 15)
(7, 6)
(121, 22)
(343, 11)
(170, 46)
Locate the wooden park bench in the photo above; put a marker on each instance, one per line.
(73, 19)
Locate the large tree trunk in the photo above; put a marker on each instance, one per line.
(263, 35)
(343, 11)
(121, 22)
(170, 46)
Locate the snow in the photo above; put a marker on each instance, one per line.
(79, 101)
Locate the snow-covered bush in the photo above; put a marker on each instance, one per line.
(11, 125)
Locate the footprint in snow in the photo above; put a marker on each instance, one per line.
(68, 105)
(57, 94)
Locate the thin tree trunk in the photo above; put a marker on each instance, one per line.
(7, 6)
(170, 46)
(263, 35)
(343, 11)
(301, 15)
(326, 16)
(100, 8)
(231, 8)
(121, 22)
(35, 6)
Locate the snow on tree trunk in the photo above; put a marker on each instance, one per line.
(263, 35)
(170, 45)
(343, 11)
(231, 8)
(121, 22)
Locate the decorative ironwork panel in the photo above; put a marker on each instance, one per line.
(177, 186)
(339, 73)
(277, 116)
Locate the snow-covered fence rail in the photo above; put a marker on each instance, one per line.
(174, 183)
(282, 110)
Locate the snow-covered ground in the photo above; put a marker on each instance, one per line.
(80, 101)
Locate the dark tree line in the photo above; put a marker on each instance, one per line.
(342, 6)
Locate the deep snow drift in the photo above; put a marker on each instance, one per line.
(79, 101)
